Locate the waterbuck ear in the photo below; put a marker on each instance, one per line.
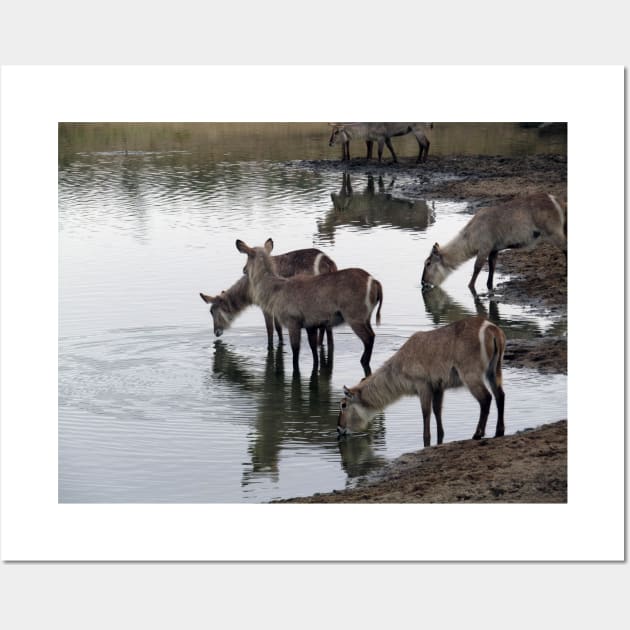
(347, 393)
(242, 247)
(436, 249)
(268, 245)
(207, 298)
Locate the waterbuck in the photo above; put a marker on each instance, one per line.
(463, 353)
(522, 223)
(382, 134)
(228, 304)
(309, 302)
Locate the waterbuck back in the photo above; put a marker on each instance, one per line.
(468, 352)
(227, 305)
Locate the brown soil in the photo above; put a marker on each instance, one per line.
(528, 467)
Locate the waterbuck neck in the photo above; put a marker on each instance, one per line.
(238, 296)
(458, 250)
(382, 388)
(264, 281)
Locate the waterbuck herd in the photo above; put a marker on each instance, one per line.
(304, 289)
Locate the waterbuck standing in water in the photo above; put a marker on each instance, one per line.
(309, 302)
(522, 223)
(466, 352)
(228, 304)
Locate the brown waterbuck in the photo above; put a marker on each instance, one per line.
(228, 304)
(522, 223)
(349, 295)
(466, 352)
(382, 134)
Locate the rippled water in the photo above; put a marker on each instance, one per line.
(154, 408)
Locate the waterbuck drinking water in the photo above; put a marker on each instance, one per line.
(463, 353)
(382, 134)
(309, 302)
(228, 304)
(522, 223)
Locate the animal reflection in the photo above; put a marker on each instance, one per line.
(372, 207)
(443, 309)
(288, 409)
(357, 452)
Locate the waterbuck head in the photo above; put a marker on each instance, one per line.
(253, 254)
(434, 271)
(353, 416)
(338, 134)
(220, 311)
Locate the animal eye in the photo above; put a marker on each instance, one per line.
(343, 405)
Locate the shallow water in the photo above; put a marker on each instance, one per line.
(154, 408)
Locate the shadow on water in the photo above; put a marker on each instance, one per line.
(443, 309)
(372, 207)
(290, 410)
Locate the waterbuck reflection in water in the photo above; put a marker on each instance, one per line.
(373, 207)
(289, 411)
(444, 309)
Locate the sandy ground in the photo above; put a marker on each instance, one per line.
(528, 467)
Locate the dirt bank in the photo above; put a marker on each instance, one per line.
(528, 467)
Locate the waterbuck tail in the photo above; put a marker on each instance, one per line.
(494, 372)
(379, 298)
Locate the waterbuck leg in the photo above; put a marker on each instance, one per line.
(388, 142)
(295, 332)
(425, 404)
(320, 336)
(492, 261)
(484, 398)
(438, 397)
(495, 380)
(269, 325)
(423, 146)
(312, 342)
(365, 333)
(480, 260)
(380, 149)
(370, 146)
(499, 397)
(329, 339)
(276, 323)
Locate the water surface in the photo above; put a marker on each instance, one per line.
(154, 408)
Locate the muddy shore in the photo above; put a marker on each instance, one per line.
(528, 467)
